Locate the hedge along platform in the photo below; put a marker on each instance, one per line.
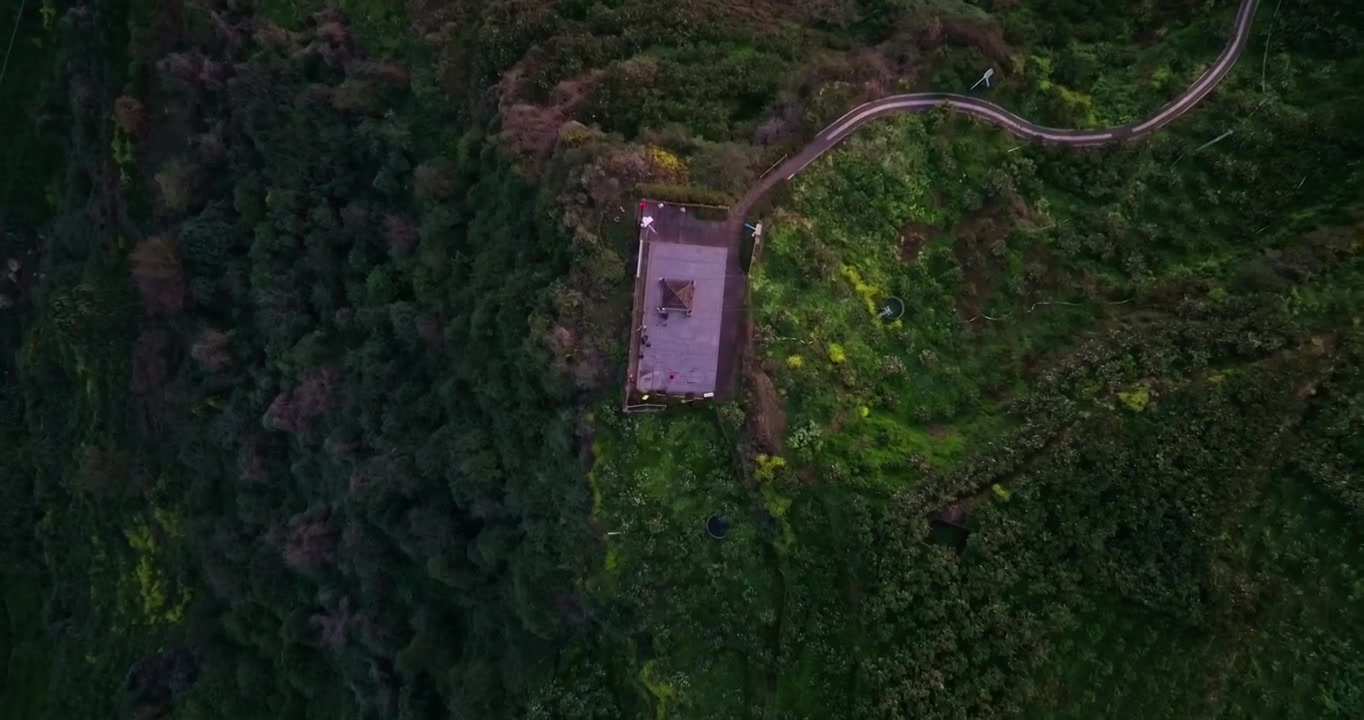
(688, 305)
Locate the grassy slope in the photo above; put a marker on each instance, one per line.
(701, 612)
(874, 406)
(1300, 659)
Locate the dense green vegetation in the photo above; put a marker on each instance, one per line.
(318, 314)
(24, 648)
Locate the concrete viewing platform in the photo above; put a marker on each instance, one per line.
(688, 308)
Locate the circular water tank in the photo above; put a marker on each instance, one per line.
(891, 309)
(717, 527)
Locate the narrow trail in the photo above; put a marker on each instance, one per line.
(996, 115)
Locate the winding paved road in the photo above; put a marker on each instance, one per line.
(992, 113)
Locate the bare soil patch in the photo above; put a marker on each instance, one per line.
(976, 249)
(766, 415)
(771, 16)
(967, 32)
(976, 269)
(913, 238)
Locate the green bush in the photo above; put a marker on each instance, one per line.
(685, 194)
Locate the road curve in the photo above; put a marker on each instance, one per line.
(996, 115)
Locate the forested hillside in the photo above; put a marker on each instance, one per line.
(314, 317)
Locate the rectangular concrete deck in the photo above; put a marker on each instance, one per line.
(685, 356)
